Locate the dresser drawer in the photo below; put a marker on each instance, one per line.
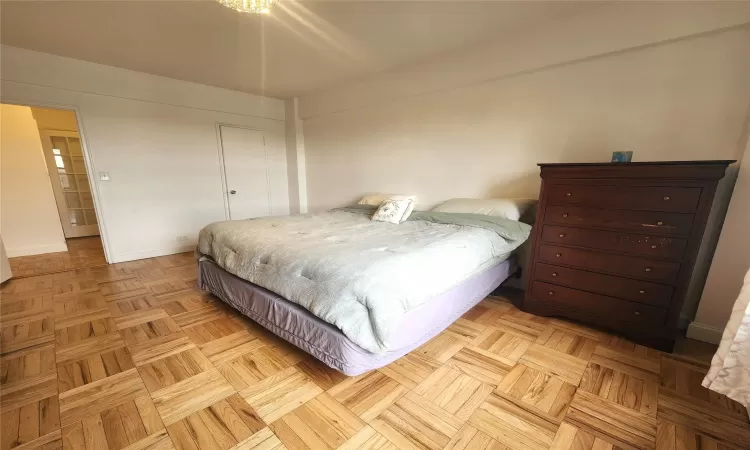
(647, 198)
(672, 224)
(627, 266)
(598, 305)
(657, 246)
(613, 286)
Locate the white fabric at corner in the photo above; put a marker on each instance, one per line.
(730, 368)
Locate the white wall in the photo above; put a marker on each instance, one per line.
(5, 272)
(668, 81)
(730, 263)
(682, 100)
(29, 222)
(156, 137)
(583, 34)
(295, 157)
(55, 119)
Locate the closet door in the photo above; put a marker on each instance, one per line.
(245, 172)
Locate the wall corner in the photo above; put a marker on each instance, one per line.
(295, 157)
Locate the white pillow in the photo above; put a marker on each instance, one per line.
(510, 208)
(377, 199)
(394, 210)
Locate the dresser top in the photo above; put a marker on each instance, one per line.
(723, 162)
(655, 170)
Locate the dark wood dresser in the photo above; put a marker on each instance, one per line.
(614, 244)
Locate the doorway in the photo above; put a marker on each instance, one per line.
(48, 220)
(70, 183)
(246, 178)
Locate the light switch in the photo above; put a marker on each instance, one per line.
(104, 176)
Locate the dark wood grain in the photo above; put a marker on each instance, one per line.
(613, 238)
(615, 264)
(671, 224)
(637, 244)
(613, 286)
(702, 163)
(646, 198)
(649, 170)
(599, 305)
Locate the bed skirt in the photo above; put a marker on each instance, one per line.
(327, 343)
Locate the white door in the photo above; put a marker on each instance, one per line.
(245, 172)
(70, 183)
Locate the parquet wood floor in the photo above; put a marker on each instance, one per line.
(82, 252)
(133, 356)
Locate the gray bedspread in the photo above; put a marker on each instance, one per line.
(360, 275)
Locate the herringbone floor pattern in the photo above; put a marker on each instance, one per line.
(134, 356)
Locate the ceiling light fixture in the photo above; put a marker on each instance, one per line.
(249, 6)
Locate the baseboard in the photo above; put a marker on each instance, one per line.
(704, 333)
(123, 257)
(29, 251)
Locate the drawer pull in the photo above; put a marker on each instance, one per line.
(551, 293)
(648, 269)
(568, 194)
(641, 292)
(666, 198)
(554, 274)
(637, 313)
(565, 215)
(653, 246)
(557, 255)
(562, 235)
(660, 223)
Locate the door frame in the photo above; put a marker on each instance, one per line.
(88, 160)
(222, 166)
(68, 229)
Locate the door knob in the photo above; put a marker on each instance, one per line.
(232, 192)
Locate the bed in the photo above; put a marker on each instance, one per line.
(354, 293)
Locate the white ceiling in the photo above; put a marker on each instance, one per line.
(300, 47)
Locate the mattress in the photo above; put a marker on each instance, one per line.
(360, 275)
(327, 343)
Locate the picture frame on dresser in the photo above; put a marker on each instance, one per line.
(614, 245)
